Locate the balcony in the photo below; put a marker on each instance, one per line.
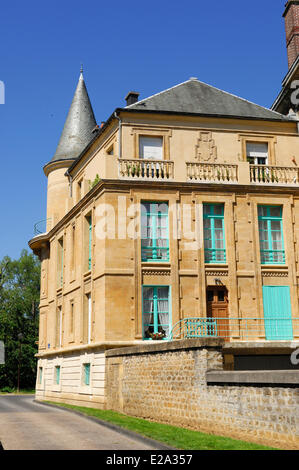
(277, 175)
(43, 226)
(157, 170)
(240, 329)
(242, 173)
(216, 173)
(212, 173)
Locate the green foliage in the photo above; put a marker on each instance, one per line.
(19, 301)
(94, 182)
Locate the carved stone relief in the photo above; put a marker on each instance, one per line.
(206, 150)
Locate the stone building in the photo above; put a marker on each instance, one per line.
(177, 217)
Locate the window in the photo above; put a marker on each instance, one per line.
(110, 150)
(151, 148)
(59, 327)
(214, 243)
(87, 319)
(271, 236)
(88, 241)
(72, 318)
(257, 153)
(156, 311)
(57, 375)
(60, 263)
(86, 374)
(79, 190)
(40, 375)
(154, 231)
(73, 246)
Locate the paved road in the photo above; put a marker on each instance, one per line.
(26, 425)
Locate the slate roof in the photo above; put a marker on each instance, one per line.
(195, 97)
(78, 127)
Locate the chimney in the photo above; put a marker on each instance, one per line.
(291, 16)
(132, 96)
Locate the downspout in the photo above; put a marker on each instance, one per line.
(119, 135)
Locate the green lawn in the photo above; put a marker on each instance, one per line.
(173, 436)
(8, 391)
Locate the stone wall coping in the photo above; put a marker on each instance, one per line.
(86, 347)
(148, 347)
(260, 347)
(254, 377)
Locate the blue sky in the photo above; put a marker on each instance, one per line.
(148, 46)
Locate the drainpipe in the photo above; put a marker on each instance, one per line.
(119, 135)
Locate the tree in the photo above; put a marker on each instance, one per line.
(19, 301)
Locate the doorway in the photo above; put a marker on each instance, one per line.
(217, 308)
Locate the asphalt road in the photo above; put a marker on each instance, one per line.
(26, 425)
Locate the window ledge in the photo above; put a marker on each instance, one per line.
(274, 266)
(213, 265)
(147, 264)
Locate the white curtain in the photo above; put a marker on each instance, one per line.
(148, 309)
(163, 309)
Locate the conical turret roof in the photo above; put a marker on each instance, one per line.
(78, 127)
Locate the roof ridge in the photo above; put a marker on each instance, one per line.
(240, 98)
(157, 94)
(210, 86)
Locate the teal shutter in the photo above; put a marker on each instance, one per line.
(277, 313)
(154, 231)
(57, 375)
(40, 375)
(214, 237)
(271, 235)
(87, 374)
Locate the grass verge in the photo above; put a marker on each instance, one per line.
(179, 438)
(15, 392)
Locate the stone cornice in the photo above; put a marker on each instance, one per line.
(56, 165)
(174, 186)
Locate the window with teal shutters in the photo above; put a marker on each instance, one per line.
(57, 374)
(214, 239)
(271, 235)
(156, 312)
(86, 374)
(40, 375)
(154, 231)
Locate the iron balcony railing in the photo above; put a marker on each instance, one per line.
(41, 226)
(242, 329)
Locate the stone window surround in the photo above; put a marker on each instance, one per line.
(86, 358)
(270, 140)
(152, 132)
(40, 365)
(57, 362)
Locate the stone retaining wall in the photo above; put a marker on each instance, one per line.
(168, 383)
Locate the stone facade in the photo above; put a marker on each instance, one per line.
(170, 385)
(93, 271)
